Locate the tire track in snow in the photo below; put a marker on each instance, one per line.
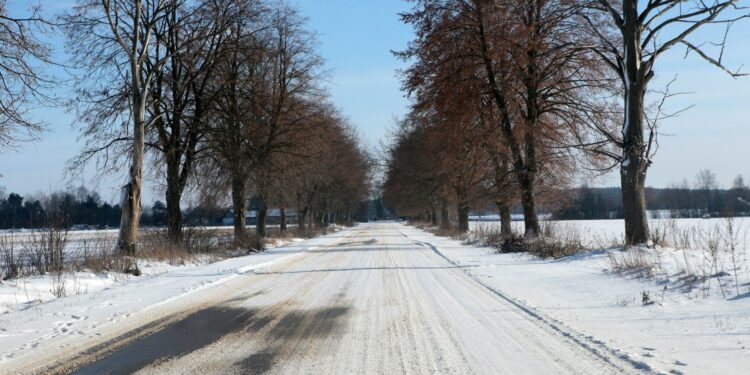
(598, 348)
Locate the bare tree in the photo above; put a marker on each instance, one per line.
(632, 35)
(268, 102)
(413, 183)
(706, 186)
(231, 122)
(528, 63)
(119, 39)
(193, 38)
(22, 80)
(290, 82)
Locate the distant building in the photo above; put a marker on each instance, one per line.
(273, 217)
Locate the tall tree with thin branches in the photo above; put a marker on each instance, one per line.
(116, 39)
(632, 35)
(23, 81)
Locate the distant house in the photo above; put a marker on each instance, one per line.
(273, 217)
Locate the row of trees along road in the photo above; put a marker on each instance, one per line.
(219, 97)
(511, 98)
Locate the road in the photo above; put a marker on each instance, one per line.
(375, 301)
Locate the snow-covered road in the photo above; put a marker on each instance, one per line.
(375, 300)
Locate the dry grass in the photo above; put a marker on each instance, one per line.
(51, 251)
(636, 261)
(703, 260)
(556, 240)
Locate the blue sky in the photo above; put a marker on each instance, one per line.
(356, 37)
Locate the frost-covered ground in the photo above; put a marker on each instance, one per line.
(82, 240)
(689, 328)
(29, 291)
(702, 258)
(29, 327)
(604, 232)
(691, 324)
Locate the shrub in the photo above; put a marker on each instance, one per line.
(635, 261)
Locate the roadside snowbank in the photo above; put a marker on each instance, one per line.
(25, 292)
(29, 323)
(679, 332)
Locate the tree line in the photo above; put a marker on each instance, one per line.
(512, 100)
(216, 99)
(79, 206)
(681, 200)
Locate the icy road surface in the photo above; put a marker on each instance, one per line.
(373, 301)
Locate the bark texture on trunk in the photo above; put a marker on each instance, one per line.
(523, 169)
(635, 163)
(260, 226)
(131, 192)
(462, 205)
(173, 197)
(634, 205)
(282, 220)
(301, 219)
(239, 205)
(506, 230)
(463, 218)
(326, 218)
(139, 94)
(530, 218)
(445, 219)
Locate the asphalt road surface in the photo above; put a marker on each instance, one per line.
(376, 301)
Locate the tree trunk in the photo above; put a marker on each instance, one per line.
(131, 192)
(506, 230)
(433, 215)
(301, 217)
(525, 170)
(260, 226)
(530, 218)
(633, 171)
(445, 220)
(634, 205)
(282, 220)
(239, 206)
(635, 161)
(463, 218)
(462, 204)
(173, 197)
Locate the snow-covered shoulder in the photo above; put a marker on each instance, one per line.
(671, 332)
(34, 319)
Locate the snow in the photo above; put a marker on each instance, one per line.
(78, 239)
(31, 316)
(684, 330)
(376, 302)
(390, 273)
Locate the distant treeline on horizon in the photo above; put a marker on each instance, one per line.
(682, 201)
(83, 208)
(588, 203)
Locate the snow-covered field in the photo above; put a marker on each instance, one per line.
(604, 232)
(78, 239)
(685, 326)
(29, 291)
(32, 316)
(694, 317)
(700, 257)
